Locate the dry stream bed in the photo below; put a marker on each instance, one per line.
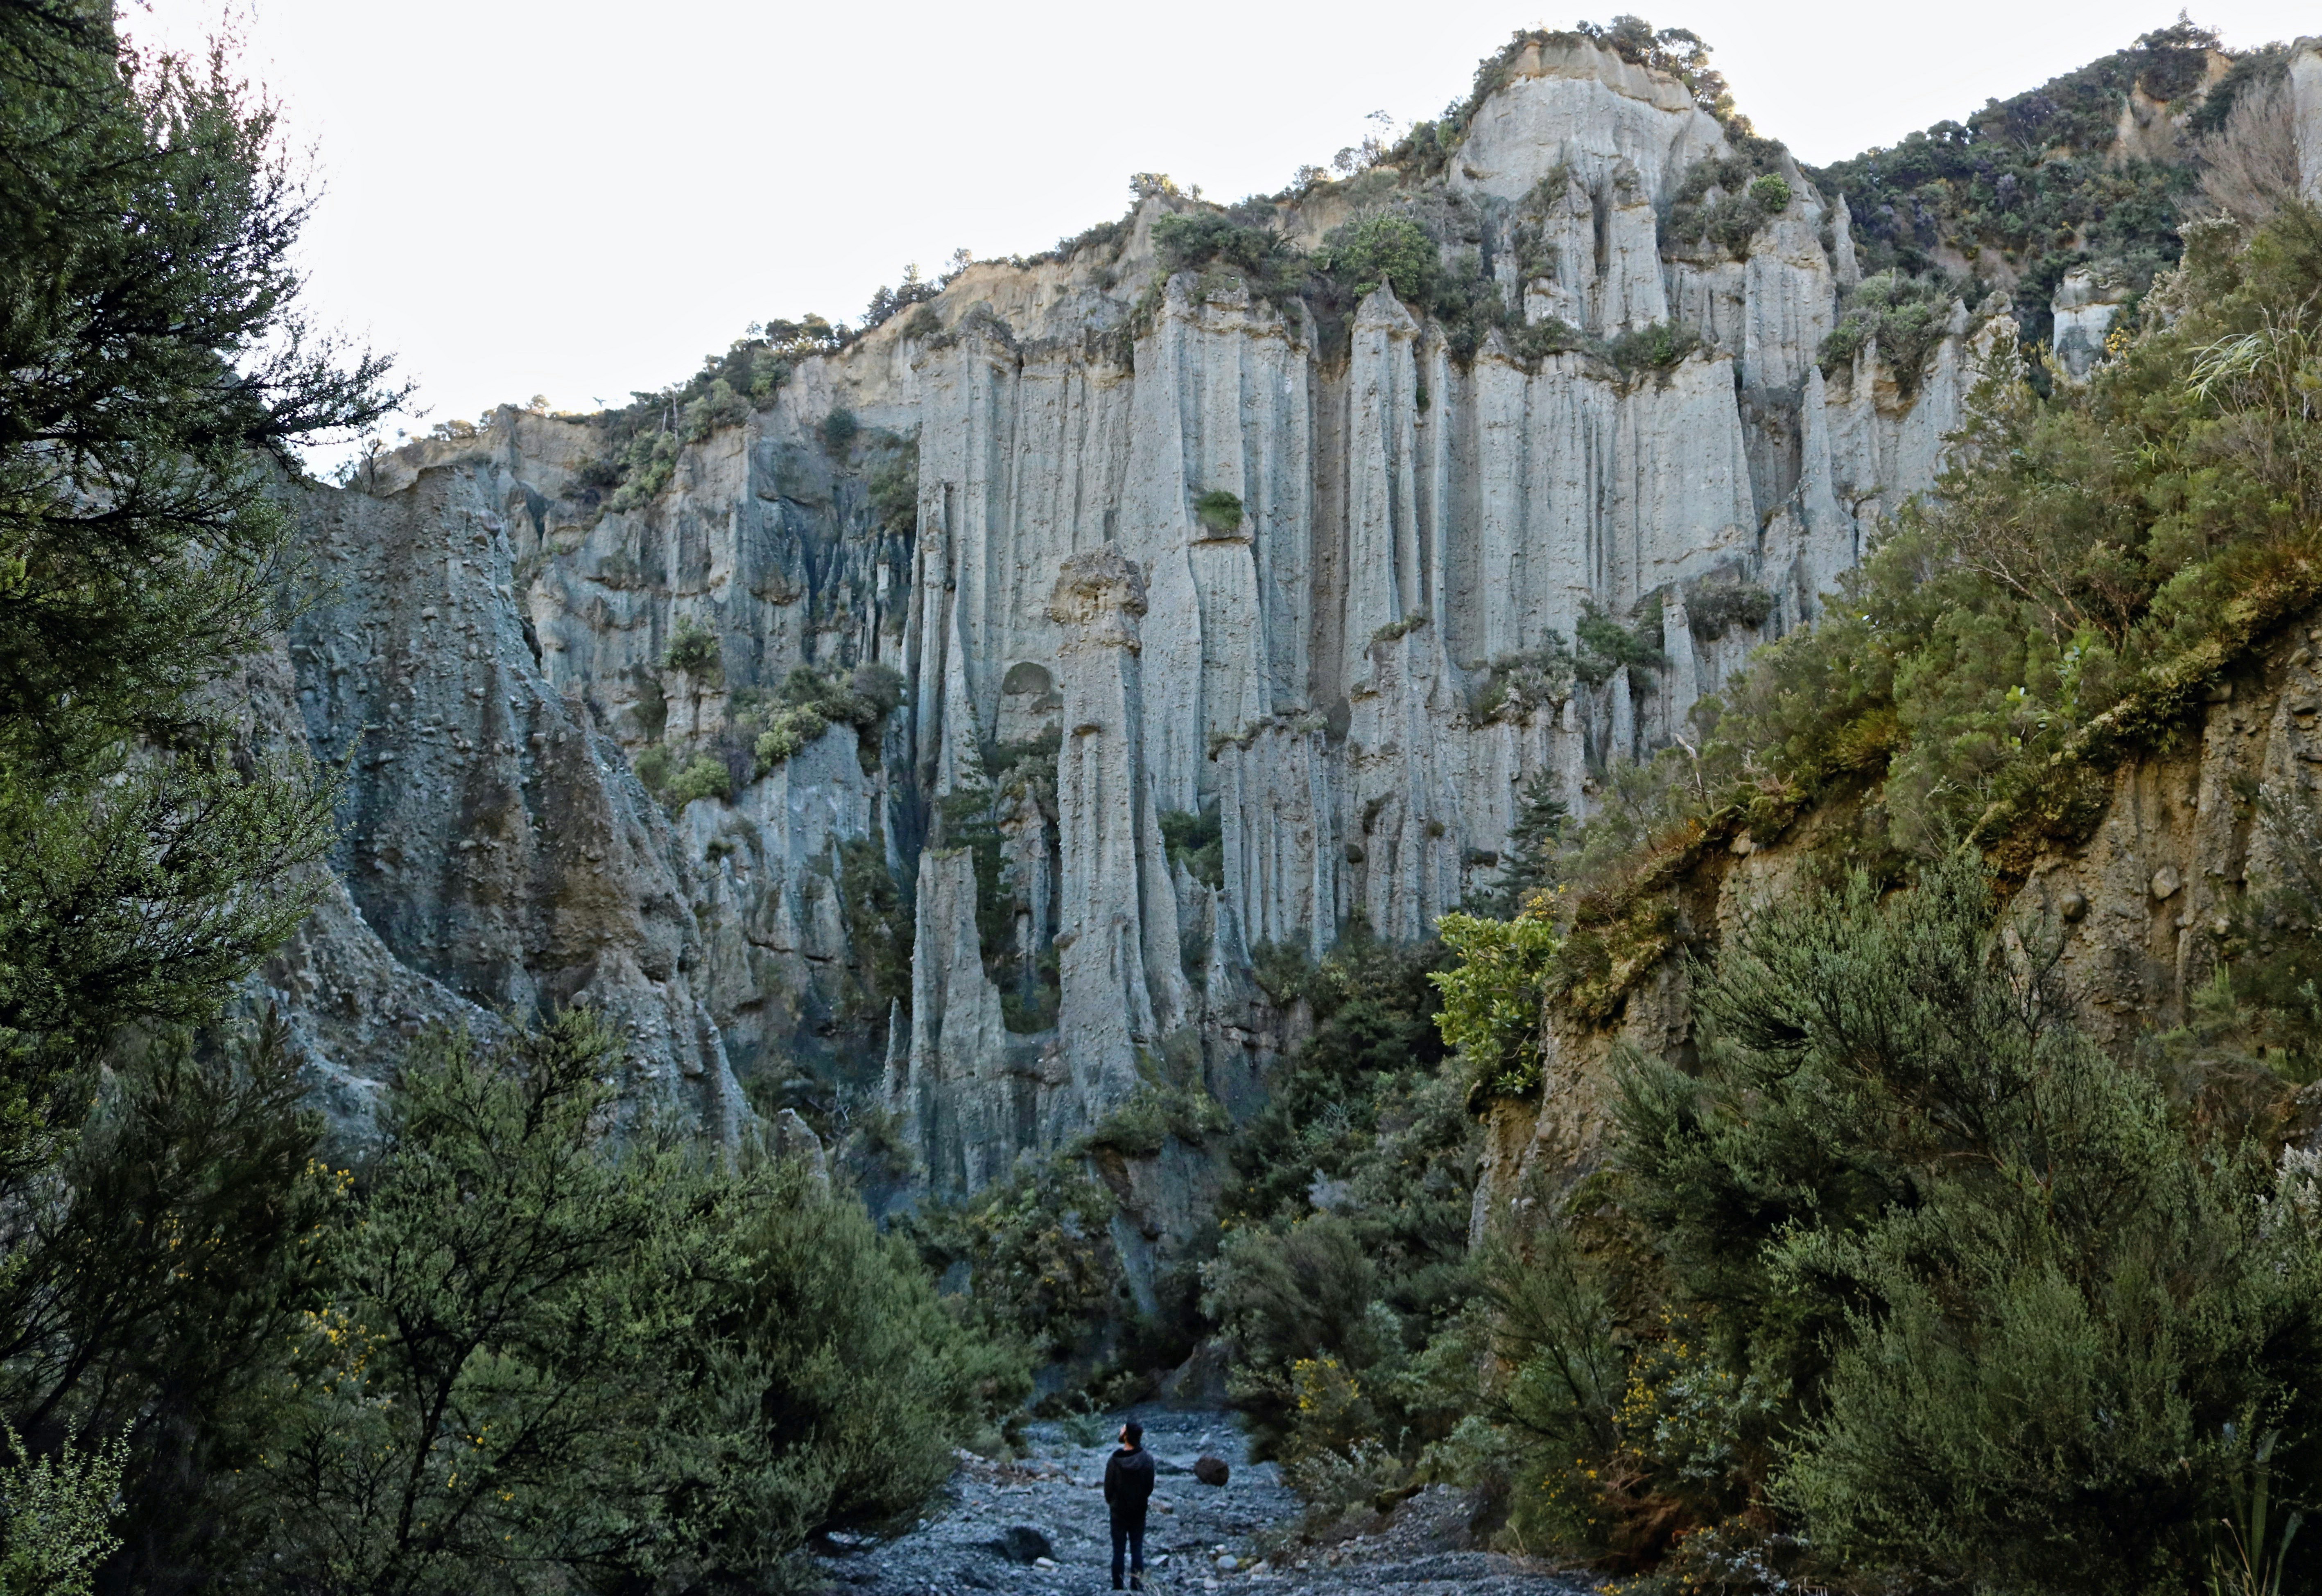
(1238, 1537)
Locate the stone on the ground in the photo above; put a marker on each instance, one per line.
(1021, 1543)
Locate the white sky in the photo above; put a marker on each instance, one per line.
(582, 197)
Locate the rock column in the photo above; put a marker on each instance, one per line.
(1123, 988)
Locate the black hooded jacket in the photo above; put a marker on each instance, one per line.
(1128, 1484)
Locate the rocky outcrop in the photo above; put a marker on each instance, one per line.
(496, 844)
(1344, 679)
(2306, 114)
(2085, 305)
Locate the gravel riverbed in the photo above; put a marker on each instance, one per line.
(1037, 1525)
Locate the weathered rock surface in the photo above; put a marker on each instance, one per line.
(1350, 683)
(2306, 109)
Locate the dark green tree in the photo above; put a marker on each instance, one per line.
(155, 1287)
(156, 381)
(495, 1361)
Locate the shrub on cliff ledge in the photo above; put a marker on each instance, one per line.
(1219, 511)
(1906, 317)
(1380, 249)
(813, 703)
(705, 776)
(693, 649)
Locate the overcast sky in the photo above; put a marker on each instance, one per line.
(579, 198)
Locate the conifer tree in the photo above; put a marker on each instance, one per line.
(157, 378)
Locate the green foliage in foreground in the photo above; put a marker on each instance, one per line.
(1345, 1250)
(1896, 1277)
(1946, 1295)
(631, 1361)
(509, 1348)
(538, 1351)
(59, 1517)
(156, 379)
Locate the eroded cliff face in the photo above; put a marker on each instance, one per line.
(1349, 684)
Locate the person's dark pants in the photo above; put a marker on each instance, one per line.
(1128, 1533)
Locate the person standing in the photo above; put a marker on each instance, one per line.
(1127, 1487)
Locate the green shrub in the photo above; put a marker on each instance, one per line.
(838, 431)
(1165, 1105)
(1038, 1254)
(58, 1522)
(1197, 841)
(153, 1299)
(640, 1364)
(1657, 348)
(1722, 202)
(1290, 1295)
(1185, 239)
(856, 1380)
(2009, 1314)
(1384, 248)
(705, 776)
(814, 703)
(1107, 238)
(1713, 608)
(652, 765)
(720, 407)
(914, 289)
(1607, 646)
(693, 649)
(895, 490)
(646, 468)
(795, 729)
(1520, 683)
(1346, 1234)
(1219, 511)
(1190, 240)
(1907, 317)
(1495, 997)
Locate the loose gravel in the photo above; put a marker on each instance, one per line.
(1049, 1507)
